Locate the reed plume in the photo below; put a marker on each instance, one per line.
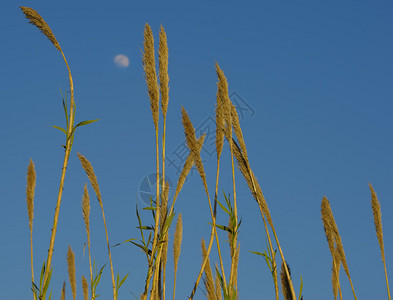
(85, 288)
(333, 237)
(163, 71)
(376, 207)
(30, 190)
(93, 180)
(71, 270)
(177, 248)
(209, 281)
(286, 289)
(86, 218)
(35, 19)
(149, 66)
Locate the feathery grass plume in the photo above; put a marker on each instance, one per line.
(332, 230)
(86, 218)
(376, 207)
(286, 290)
(39, 22)
(93, 180)
(208, 280)
(251, 181)
(336, 274)
(189, 132)
(163, 70)
(30, 189)
(85, 288)
(91, 175)
(186, 169)
(86, 209)
(149, 66)
(71, 270)
(217, 286)
(220, 120)
(222, 93)
(238, 132)
(63, 291)
(177, 248)
(35, 19)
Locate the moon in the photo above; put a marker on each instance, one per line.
(121, 61)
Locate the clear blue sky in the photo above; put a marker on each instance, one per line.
(315, 77)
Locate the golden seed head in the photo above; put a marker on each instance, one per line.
(85, 288)
(187, 166)
(163, 70)
(35, 19)
(192, 145)
(177, 241)
(86, 209)
(208, 280)
(71, 270)
(30, 190)
(91, 175)
(149, 66)
(285, 285)
(376, 207)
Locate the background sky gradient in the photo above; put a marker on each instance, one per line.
(314, 80)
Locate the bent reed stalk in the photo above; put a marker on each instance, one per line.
(35, 19)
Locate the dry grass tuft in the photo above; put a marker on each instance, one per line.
(85, 288)
(149, 65)
(376, 207)
(334, 239)
(91, 175)
(177, 248)
(208, 280)
(30, 189)
(163, 70)
(86, 209)
(35, 19)
(71, 270)
(286, 289)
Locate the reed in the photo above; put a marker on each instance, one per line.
(376, 207)
(93, 180)
(71, 270)
(177, 249)
(30, 190)
(156, 245)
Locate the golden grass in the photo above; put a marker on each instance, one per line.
(177, 249)
(376, 207)
(71, 270)
(227, 123)
(85, 288)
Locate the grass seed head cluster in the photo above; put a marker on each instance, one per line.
(221, 282)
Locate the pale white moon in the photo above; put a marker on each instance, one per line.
(121, 61)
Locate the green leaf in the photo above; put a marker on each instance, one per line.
(223, 207)
(301, 288)
(60, 128)
(126, 241)
(258, 253)
(86, 122)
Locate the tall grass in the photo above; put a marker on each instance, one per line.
(220, 282)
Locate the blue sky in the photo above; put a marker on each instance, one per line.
(315, 80)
